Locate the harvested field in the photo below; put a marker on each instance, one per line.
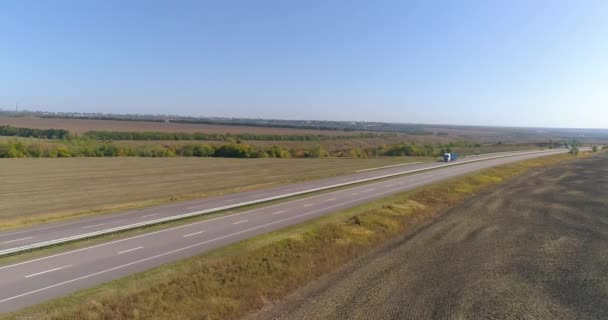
(47, 187)
(534, 248)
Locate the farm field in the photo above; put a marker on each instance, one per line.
(80, 126)
(532, 248)
(39, 188)
(84, 125)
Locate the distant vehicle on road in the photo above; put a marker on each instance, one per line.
(450, 156)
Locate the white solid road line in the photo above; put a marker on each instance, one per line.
(149, 215)
(242, 221)
(368, 190)
(279, 212)
(47, 271)
(51, 226)
(155, 232)
(174, 251)
(93, 226)
(10, 241)
(193, 234)
(121, 252)
(395, 165)
(332, 199)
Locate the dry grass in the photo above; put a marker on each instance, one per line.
(38, 190)
(230, 282)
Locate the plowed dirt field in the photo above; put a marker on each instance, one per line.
(533, 248)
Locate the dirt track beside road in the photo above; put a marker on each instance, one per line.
(533, 248)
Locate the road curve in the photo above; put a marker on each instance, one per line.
(41, 279)
(51, 234)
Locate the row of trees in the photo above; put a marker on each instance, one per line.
(34, 133)
(91, 148)
(94, 148)
(127, 135)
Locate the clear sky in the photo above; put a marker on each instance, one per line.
(511, 62)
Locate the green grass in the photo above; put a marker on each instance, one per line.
(43, 190)
(230, 282)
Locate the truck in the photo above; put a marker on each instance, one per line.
(450, 156)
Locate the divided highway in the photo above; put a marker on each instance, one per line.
(51, 234)
(37, 280)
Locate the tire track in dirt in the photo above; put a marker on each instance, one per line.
(533, 248)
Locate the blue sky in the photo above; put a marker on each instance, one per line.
(512, 62)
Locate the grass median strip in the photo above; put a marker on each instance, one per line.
(238, 279)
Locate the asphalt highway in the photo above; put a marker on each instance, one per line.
(41, 279)
(21, 238)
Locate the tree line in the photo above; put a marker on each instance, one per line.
(82, 147)
(130, 135)
(177, 136)
(34, 133)
(92, 148)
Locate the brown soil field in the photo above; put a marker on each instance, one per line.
(532, 248)
(39, 188)
(84, 125)
(484, 135)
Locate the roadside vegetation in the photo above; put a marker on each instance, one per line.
(242, 278)
(575, 151)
